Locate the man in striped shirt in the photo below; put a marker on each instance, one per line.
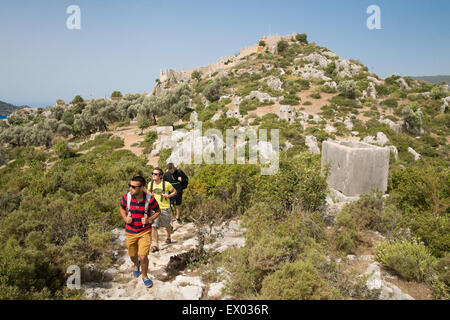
(138, 228)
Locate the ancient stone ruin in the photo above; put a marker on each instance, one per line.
(355, 167)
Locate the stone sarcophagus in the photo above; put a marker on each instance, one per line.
(355, 167)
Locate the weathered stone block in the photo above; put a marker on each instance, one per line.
(356, 167)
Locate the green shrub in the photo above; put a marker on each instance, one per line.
(315, 95)
(167, 120)
(301, 37)
(348, 88)
(410, 259)
(213, 91)
(412, 119)
(390, 103)
(295, 281)
(291, 99)
(282, 46)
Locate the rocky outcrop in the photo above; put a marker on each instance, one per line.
(380, 140)
(275, 83)
(388, 291)
(371, 92)
(287, 113)
(395, 126)
(261, 96)
(414, 153)
(445, 104)
(311, 143)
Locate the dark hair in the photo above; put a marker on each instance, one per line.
(161, 172)
(170, 166)
(139, 179)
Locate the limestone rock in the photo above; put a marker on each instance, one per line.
(397, 127)
(287, 146)
(309, 71)
(274, 83)
(414, 153)
(348, 124)
(215, 289)
(394, 151)
(445, 104)
(193, 117)
(347, 68)
(318, 59)
(311, 143)
(380, 140)
(403, 84)
(329, 128)
(374, 80)
(287, 113)
(388, 291)
(261, 96)
(215, 117)
(371, 92)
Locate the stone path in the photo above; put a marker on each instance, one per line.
(122, 285)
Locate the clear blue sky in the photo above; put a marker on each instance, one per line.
(123, 44)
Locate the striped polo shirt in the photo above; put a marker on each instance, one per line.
(137, 213)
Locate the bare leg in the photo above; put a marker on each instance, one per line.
(178, 212)
(144, 265)
(135, 261)
(155, 236)
(168, 229)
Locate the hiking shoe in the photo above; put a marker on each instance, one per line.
(179, 221)
(137, 273)
(148, 283)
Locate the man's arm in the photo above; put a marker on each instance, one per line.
(123, 211)
(125, 218)
(155, 215)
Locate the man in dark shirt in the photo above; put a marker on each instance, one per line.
(179, 181)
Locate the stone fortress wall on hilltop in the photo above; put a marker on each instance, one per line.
(223, 62)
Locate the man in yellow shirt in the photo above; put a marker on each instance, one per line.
(162, 191)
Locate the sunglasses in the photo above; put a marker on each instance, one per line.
(155, 174)
(134, 187)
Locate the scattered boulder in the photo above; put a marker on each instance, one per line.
(194, 117)
(388, 291)
(394, 151)
(402, 83)
(274, 83)
(215, 117)
(371, 92)
(261, 96)
(348, 124)
(287, 113)
(397, 127)
(329, 128)
(445, 104)
(311, 143)
(374, 80)
(309, 71)
(414, 153)
(380, 140)
(318, 59)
